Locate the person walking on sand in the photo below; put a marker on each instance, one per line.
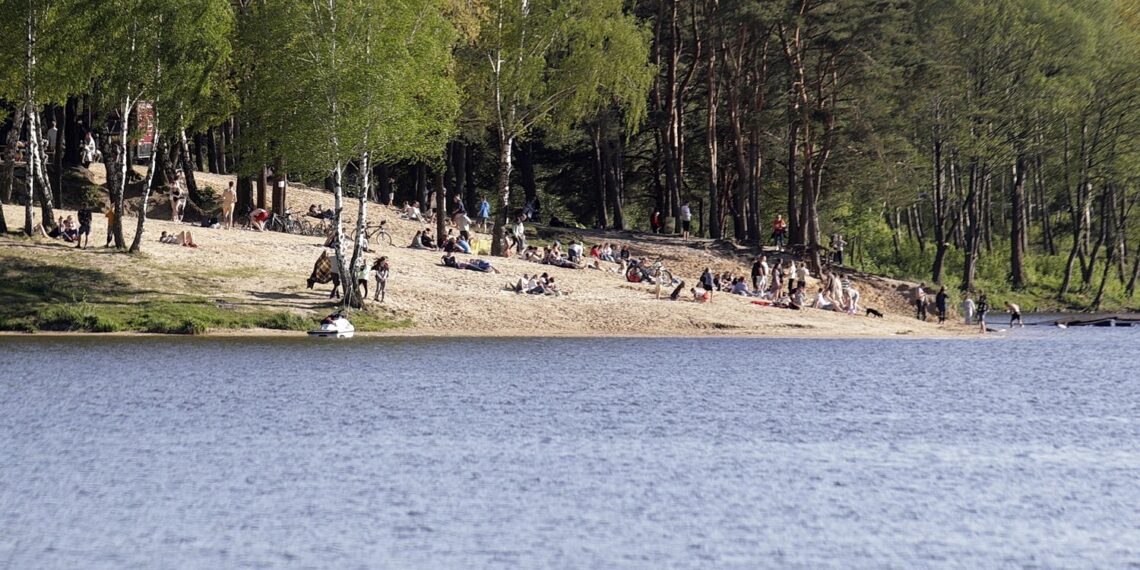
(968, 309)
(920, 301)
(686, 220)
(1014, 314)
(983, 308)
(940, 303)
(229, 198)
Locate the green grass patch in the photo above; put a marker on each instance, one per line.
(42, 296)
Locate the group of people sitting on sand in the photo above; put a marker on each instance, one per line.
(783, 284)
(536, 285)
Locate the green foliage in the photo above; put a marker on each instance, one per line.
(338, 79)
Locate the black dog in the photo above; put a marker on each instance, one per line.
(873, 313)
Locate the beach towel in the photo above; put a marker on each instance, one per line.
(322, 270)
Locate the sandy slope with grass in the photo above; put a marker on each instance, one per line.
(244, 270)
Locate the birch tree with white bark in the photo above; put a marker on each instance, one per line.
(344, 81)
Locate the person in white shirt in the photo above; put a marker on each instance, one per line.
(686, 220)
(52, 135)
(574, 251)
(802, 274)
(520, 236)
(968, 309)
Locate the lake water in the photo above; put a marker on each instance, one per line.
(1021, 452)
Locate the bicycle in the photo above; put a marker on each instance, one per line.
(379, 232)
(654, 274)
(285, 223)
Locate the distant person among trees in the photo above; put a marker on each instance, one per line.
(686, 220)
(779, 232)
(90, 151)
(655, 222)
(837, 245)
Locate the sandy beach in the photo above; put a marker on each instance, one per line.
(243, 268)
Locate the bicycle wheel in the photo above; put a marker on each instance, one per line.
(665, 278)
(383, 237)
(305, 228)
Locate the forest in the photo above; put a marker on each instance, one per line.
(971, 143)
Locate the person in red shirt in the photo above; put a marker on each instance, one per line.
(779, 231)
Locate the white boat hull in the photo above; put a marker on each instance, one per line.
(338, 328)
(331, 334)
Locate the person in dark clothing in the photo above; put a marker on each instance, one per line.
(983, 308)
(84, 236)
(707, 281)
(940, 303)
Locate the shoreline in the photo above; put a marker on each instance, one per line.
(506, 334)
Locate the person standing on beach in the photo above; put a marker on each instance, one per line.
(1014, 314)
(380, 269)
(983, 308)
(968, 309)
(109, 213)
(940, 303)
(484, 214)
(920, 301)
(84, 236)
(686, 220)
(229, 198)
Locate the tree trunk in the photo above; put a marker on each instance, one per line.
(212, 151)
(459, 165)
(263, 187)
(1017, 237)
(527, 180)
(422, 186)
(120, 165)
(136, 244)
(498, 237)
(939, 204)
(352, 295)
(187, 165)
(385, 185)
(224, 143)
(601, 216)
(199, 152)
(615, 180)
(440, 206)
(10, 156)
(73, 133)
(37, 167)
(793, 182)
(280, 185)
(971, 231)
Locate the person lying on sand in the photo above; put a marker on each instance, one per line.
(183, 238)
(473, 264)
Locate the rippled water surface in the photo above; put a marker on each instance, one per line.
(588, 453)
